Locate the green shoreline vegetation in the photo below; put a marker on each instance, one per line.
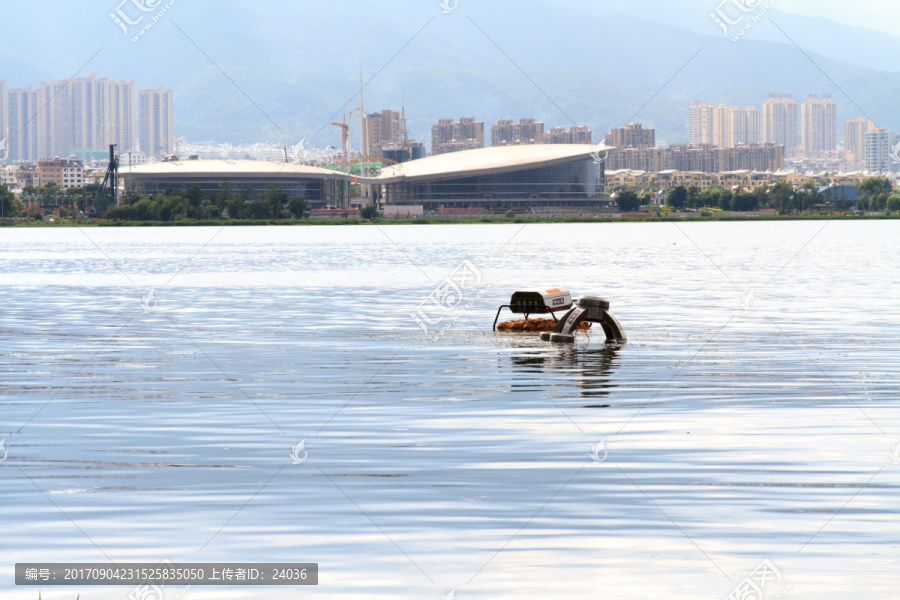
(51, 206)
(446, 221)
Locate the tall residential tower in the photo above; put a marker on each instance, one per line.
(881, 150)
(384, 129)
(4, 127)
(700, 123)
(525, 132)
(449, 136)
(818, 125)
(22, 142)
(633, 135)
(780, 121)
(855, 138)
(156, 126)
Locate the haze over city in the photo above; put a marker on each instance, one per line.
(598, 62)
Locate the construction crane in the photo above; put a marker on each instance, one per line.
(345, 138)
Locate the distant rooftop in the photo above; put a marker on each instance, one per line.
(233, 168)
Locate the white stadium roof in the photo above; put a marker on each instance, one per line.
(230, 168)
(494, 160)
(454, 165)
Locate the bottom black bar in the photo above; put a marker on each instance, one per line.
(167, 573)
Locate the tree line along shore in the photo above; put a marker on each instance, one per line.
(50, 204)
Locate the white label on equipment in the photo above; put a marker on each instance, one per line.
(574, 316)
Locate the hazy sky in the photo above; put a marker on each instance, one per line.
(883, 15)
(880, 15)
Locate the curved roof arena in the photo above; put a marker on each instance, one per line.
(485, 161)
(454, 165)
(231, 169)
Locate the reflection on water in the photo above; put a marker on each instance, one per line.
(730, 433)
(589, 367)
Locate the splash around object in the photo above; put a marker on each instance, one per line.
(589, 309)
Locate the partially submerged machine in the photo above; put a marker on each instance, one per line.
(587, 309)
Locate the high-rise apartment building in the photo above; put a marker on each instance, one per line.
(525, 132)
(703, 157)
(882, 153)
(54, 120)
(384, 129)
(780, 121)
(157, 131)
(442, 136)
(725, 126)
(67, 116)
(121, 128)
(818, 125)
(855, 138)
(700, 123)
(449, 136)
(736, 128)
(578, 134)
(754, 125)
(633, 135)
(22, 124)
(87, 114)
(88, 117)
(739, 127)
(722, 126)
(4, 128)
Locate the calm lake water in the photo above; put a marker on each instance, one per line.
(751, 416)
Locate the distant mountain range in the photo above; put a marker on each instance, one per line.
(281, 71)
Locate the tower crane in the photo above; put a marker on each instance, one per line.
(345, 138)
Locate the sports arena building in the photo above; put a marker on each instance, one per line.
(320, 187)
(497, 177)
(490, 178)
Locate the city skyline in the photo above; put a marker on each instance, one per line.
(47, 122)
(809, 128)
(300, 102)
